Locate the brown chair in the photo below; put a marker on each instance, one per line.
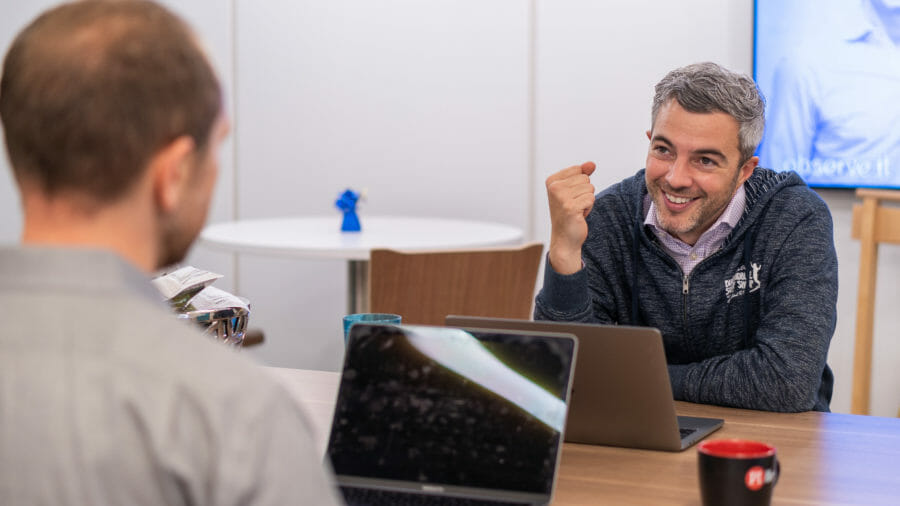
(424, 287)
(873, 223)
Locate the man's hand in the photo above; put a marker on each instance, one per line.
(571, 197)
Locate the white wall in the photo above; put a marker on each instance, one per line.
(411, 100)
(431, 106)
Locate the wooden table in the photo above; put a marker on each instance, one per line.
(318, 237)
(826, 458)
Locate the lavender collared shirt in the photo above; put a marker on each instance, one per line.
(709, 242)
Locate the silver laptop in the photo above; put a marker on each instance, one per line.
(621, 394)
(433, 415)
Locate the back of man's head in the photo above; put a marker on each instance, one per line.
(92, 89)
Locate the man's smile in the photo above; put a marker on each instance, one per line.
(677, 203)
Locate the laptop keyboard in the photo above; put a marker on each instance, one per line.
(686, 432)
(376, 497)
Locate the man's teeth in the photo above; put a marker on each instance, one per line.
(677, 200)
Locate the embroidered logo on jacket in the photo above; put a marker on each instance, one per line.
(739, 284)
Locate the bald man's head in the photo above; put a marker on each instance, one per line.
(92, 89)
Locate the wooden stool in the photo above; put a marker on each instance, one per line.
(873, 223)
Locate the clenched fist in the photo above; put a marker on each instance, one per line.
(571, 197)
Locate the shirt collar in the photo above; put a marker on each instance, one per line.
(863, 25)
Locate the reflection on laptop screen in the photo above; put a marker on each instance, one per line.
(451, 407)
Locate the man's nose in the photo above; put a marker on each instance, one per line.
(679, 174)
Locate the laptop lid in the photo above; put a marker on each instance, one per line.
(621, 394)
(452, 412)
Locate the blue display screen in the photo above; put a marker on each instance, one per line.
(830, 73)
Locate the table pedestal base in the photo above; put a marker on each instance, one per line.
(357, 286)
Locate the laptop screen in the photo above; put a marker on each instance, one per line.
(451, 407)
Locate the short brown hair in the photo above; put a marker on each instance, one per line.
(92, 89)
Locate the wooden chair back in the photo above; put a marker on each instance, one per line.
(874, 222)
(424, 287)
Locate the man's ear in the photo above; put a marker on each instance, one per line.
(170, 172)
(746, 170)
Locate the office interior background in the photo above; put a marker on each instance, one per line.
(454, 109)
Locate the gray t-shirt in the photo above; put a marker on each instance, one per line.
(107, 399)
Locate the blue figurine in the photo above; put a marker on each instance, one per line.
(346, 202)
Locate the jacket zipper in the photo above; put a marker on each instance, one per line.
(685, 288)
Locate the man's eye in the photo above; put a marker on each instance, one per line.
(661, 150)
(707, 162)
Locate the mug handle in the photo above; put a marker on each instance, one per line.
(777, 471)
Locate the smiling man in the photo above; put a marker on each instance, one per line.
(734, 263)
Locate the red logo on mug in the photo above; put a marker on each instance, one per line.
(755, 478)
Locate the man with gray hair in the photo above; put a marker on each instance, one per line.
(735, 264)
(113, 120)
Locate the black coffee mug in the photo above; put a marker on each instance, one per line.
(737, 472)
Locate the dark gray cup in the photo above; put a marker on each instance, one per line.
(736, 472)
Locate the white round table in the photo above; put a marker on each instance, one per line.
(321, 237)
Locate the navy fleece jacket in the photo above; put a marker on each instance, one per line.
(749, 327)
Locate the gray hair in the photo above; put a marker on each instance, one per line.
(708, 87)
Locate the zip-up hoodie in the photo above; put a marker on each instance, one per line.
(750, 325)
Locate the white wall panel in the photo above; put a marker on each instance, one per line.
(424, 104)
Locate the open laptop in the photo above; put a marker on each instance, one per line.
(435, 415)
(621, 394)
